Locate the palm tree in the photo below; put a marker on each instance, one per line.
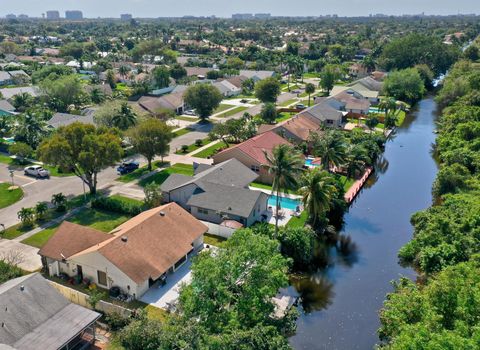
(309, 89)
(388, 105)
(125, 118)
(331, 149)
(284, 164)
(123, 70)
(30, 128)
(41, 210)
(97, 95)
(22, 101)
(357, 159)
(317, 192)
(26, 216)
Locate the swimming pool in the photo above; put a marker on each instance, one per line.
(9, 140)
(374, 110)
(309, 162)
(285, 203)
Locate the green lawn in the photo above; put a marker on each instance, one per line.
(262, 186)
(216, 241)
(194, 147)
(8, 197)
(55, 171)
(283, 116)
(310, 75)
(222, 107)
(187, 119)
(126, 200)
(160, 177)
(298, 221)
(181, 132)
(401, 117)
(98, 219)
(134, 175)
(232, 112)
(347, 183)
(207, 152)
(288, 102)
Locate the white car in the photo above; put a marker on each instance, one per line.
(37, 171)
(190, 112)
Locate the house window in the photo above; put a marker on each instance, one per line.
(202, 211)
(102, 278)
(255, 168)
(329, 121)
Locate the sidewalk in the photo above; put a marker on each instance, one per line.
(198, 150)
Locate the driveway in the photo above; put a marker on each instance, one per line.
(26, 256)
(201, 131)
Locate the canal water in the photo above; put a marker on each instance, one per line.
(342, 299)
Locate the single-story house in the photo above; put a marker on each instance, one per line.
(237, 81)
(295, 130)
(173, 102)
(227, 89)
(358, 70)
(19, 77)
(133, 256)
(367, 88)
(64, 119)
(34, 315)
(218, 193)
(257, 75)
(324, 113)
(5, 78)
(251, 153)
(351, 103)
(8, 93)
(105, 88)
(199, 72)
(6, 108)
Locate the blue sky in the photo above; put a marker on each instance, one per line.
(224, 8)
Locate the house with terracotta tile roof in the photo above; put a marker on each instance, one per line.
(136, 254)
(251, 153)
(296, 130)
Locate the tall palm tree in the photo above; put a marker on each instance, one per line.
(284, 164)
(125, 118)
(331, 149)
(388, 105)
(357, 159)
(30, 128)
(317, 192)
(309, 89)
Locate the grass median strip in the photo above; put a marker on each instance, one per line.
(232, 112)
(194, 146)
(134, 175)
(8, 197)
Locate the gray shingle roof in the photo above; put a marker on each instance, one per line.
(226, 199)
(63, 119)
(39, 317)
(323, 111)
(6, 106)
(228, 173)
(175, 181)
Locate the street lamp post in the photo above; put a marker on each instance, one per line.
(11, 175)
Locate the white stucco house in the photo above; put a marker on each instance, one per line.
(133, 256)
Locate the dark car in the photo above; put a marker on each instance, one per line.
(127, 167)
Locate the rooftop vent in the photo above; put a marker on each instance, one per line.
(162, 213)
(22, 288)
(124, 239)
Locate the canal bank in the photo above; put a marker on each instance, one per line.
(342, 299)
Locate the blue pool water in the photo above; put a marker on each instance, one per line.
(374, 110)
(9, 140)
(309, 162)
(286, 203)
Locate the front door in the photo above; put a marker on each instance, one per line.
(79, 273)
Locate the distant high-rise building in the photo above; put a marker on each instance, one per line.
(126, 17)
(242, 16)
(23, 16)
(75, 15)
(11, 16)
(53, 15)
(262, 15)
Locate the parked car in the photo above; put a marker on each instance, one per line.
(127, 167)
(37, 171)
(190, 112)
(300, 106)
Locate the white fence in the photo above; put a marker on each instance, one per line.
(217, 230)
(81, 299)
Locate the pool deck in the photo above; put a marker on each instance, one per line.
(357, 186)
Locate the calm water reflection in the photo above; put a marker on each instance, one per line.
(342, 299)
